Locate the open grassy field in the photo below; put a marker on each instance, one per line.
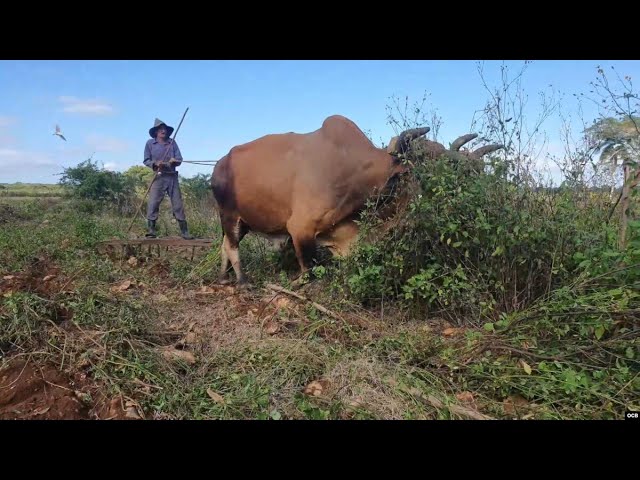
(146, 333)
(20, 190)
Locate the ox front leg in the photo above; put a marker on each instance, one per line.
(304, 243)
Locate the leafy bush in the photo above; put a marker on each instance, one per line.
(197, 187)
(88, 182)
(475, 244)
(140, 177)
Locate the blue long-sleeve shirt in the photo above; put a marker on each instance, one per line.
(154, 151)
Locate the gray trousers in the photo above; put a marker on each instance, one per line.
(165, 183)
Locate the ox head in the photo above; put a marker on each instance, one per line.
(412, 141)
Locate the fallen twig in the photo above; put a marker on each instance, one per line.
(164, 333)
(71, 279)
(534, 316)
(264, 307)
(457, 409)
(18, 378)
(144, 384)
(439, 404)
(324, 310)
(523, 352)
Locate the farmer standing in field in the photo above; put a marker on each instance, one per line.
(155, 157)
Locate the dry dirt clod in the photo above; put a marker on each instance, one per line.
(122, 286)
(452, 331)
(172, 354)
(216, 397)
(316, 388)
(271, 327)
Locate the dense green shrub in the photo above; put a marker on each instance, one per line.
(87, 181)
(475, 243)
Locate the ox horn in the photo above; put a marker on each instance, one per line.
(482, 151)
(409, 135)
(460, 141)
(405, 137)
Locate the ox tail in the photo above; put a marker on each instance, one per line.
(215, 204)
(221, 182)
(214, 198)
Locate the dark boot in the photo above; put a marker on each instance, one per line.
(184, 231)
(152, 229)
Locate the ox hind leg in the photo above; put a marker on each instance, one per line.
(234, 230)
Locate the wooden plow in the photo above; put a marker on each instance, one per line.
(136, 246)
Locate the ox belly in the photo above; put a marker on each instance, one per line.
(339, 240)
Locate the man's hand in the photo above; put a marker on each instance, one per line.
(173, 160)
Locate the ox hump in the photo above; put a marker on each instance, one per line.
(341, 129)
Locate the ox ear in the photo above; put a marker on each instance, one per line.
(397, 157)
(393, 145)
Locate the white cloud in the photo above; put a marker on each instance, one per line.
(6, 121)
(85, 106)
(100, 143)
(7, 139)
(10, 157)
(8, 152)
(110, 166)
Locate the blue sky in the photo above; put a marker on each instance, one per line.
(105, 108)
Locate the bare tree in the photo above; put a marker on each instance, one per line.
(402, 117)
(577, 160)
(504, 120)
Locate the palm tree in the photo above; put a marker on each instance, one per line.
(618, 141)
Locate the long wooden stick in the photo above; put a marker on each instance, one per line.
(440, 405)
(457, 409)
(324, 310)
(155, 175)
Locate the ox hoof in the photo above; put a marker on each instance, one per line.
(300, 282)
(242, 287)
(223, 281)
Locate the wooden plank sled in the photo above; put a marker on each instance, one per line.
(164, 241)
(134, 246)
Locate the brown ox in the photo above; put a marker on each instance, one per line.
(309, 187)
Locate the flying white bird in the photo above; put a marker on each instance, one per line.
(59, 133)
